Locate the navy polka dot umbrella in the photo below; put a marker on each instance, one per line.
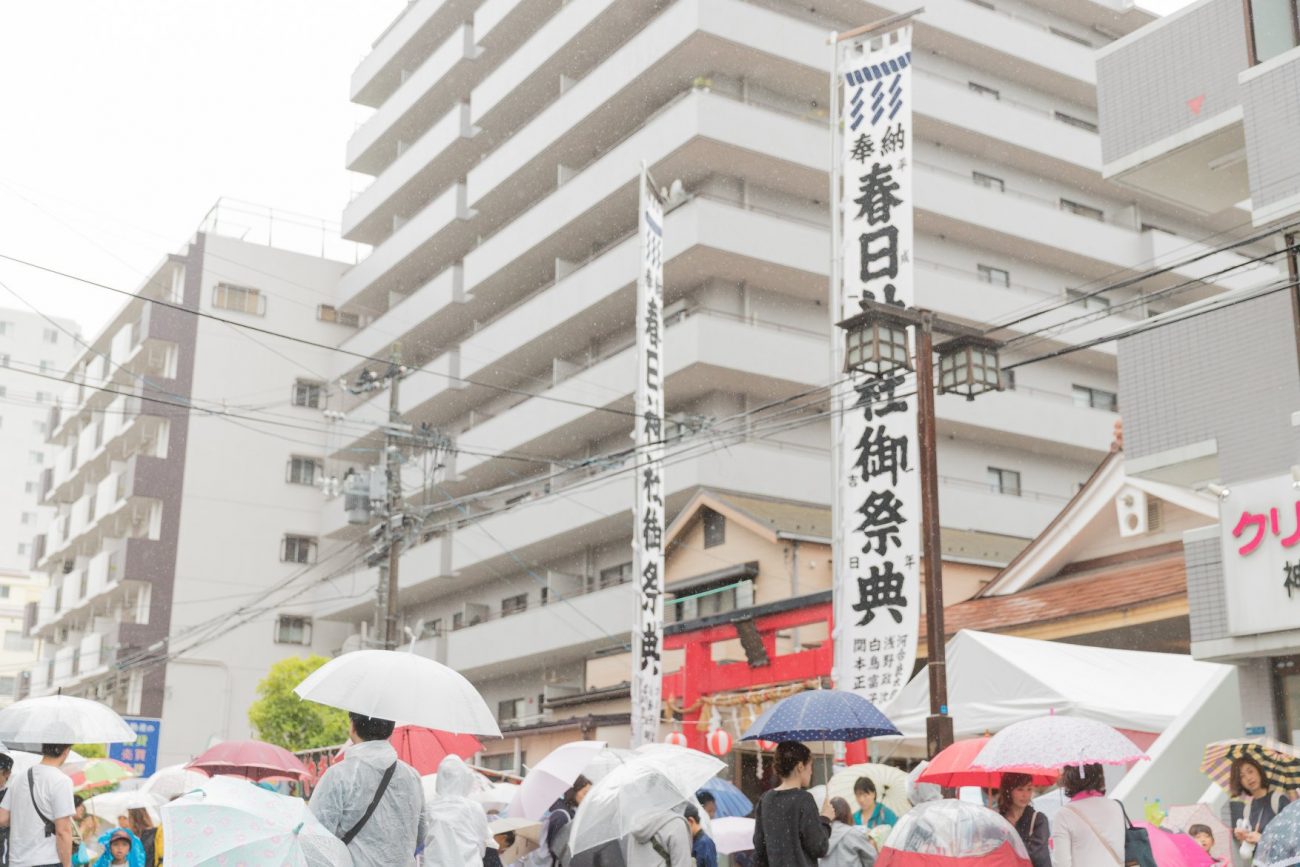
(821, 715)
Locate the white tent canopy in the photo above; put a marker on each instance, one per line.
(996, 680)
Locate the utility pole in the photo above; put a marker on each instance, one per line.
(395, 518)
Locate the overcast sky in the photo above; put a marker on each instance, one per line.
(124, 122)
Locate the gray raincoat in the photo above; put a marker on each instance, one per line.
(669, 830)
(396, 829)
(849, 848)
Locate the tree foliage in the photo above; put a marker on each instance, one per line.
(90, 751)
(279, 717)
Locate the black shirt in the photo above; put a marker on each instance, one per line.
(789, 831)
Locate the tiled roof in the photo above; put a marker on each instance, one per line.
(1119, 586)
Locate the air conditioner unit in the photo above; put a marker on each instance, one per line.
(1131, 511)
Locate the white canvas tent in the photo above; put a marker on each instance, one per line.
(996, 680)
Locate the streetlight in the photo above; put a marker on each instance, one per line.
(876, 342)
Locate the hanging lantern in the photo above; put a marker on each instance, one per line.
(767, 746)
(675, 739)
(718, 742)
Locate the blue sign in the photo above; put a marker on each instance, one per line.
(1254, 731)
(142, 753)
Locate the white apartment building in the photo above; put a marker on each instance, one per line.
(505, 146)
(187, 484)
(34, 353)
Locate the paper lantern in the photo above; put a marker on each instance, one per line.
(719, 742)
(676, 739)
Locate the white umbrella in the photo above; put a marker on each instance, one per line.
(1050, 743)
(62, 719)
(24, 760)
(496, 797)
(652, 782)
(397, 685)
(549, 778)
(174, 781)
(891, 786)
(232, 821)
(110, 805)
(733, 834)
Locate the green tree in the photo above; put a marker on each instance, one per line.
(91, 751)
(279, 717)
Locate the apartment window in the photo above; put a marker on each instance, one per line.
(50, 335)
(36, 457)
(28, 517)
(509, 710)
(240, 299)
(42, 397)
(432, 628)
(514, 604)
(1087, 301)
(988, 182)
(499, 762)
(1095, 398)
(38, 426)
(1008, 380)
(22, 549)
(6, 328)
(1004, 481)
(1075, 121)
(3, 391)
(4, 359)
(1083, 210)
(1273, 28)
(715, 528)
(7, 684)
(303, 471)
(29, 487)
(298, 549)
(46, 366)
(16, 642)
(307, 393)
(615, 575)
(457, 620)
(984, 90)
(996, 276)
(1070, 36)
(5, 589)
(290, 629)
(329, 313)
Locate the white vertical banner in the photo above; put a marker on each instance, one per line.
(877, 483)
(648, 512)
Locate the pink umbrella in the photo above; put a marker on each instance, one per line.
(254, 760)
(1175, 850)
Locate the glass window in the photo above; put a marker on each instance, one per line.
(715, 529)
(303, 471)
(509, 710)
(988, 181)
(4, 359)
(7, 684)
(984, 90)
(1095, 398)
(1083, 210)
(36, 457)
(240, 299)
(1009, 380)
(996, 276)
(298, 549)
(16, 642)
(1004, 481)
(615, 575)
(290, 629)
(307, 393)
(51, 335)
(1087, 300)
(514, 604)
(1274, 27)
(1076, 121)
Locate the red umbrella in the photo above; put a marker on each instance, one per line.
(424, 749)
(952, 768)
(254, 760)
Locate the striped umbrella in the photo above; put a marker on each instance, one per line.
(1281, 762)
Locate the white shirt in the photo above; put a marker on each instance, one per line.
(1075, 843)
(28, 845)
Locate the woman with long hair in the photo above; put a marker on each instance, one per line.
(1089, 830)
(1255, 802)
(141, 824)
(1015, 797)
(788, 830)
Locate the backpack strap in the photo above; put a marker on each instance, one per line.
(31, 791)
(661, 851)
(374, 802)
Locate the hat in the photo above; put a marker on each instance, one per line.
(120, 834)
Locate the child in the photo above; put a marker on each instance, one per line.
(121, 849)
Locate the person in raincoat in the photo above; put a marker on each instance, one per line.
(850, 847)
(395, 828)
(457, 827)
(122, 848)
(659, 839)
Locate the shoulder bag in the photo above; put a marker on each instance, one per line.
(374, 802)
(31, 791)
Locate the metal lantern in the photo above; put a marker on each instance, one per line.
(969, 366)
(876, 342)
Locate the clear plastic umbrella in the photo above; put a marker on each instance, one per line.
(62, 719)
(608, 760)
(1279, 845)
(228, 821)
(174, 781)
(654, 781)
(953, 829)
(110, 805)
(549, 778)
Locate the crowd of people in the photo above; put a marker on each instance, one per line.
(375, 804)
